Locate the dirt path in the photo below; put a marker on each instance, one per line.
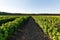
(30, 31)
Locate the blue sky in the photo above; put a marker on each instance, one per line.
(30, 6)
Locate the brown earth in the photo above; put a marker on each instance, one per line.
(30, 31)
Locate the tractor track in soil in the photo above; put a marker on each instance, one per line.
(30, 31)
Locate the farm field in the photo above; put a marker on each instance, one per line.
(50, 25)
(29, 27)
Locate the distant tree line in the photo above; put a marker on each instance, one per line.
(5, 13)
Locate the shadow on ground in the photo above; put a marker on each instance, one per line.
(30, 31)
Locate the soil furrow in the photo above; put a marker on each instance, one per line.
(30, 31)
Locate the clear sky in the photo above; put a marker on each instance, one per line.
(30, 6)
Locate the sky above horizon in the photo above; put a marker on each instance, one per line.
(30, 6)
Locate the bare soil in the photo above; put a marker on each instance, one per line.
(30, 31)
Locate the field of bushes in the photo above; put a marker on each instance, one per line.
(10, 24)
(50, 25)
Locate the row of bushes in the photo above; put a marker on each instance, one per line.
(6, 19)
(11, 27)
(47, 23)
